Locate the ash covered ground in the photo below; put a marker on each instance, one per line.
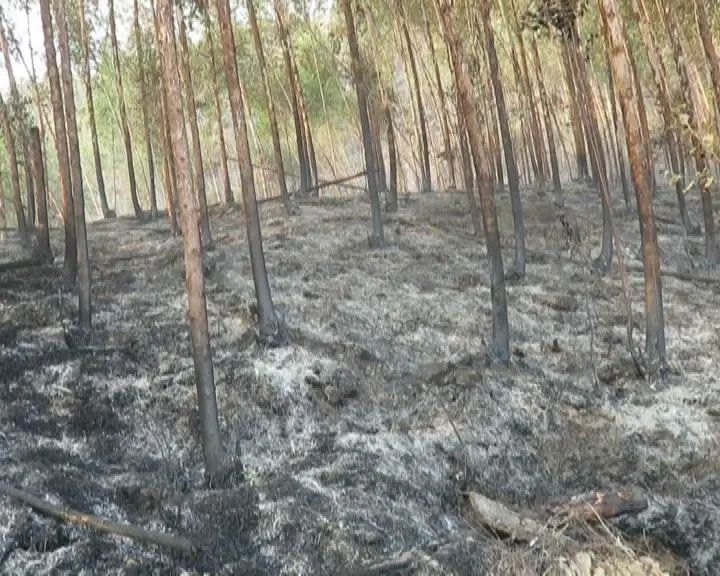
(360, 437)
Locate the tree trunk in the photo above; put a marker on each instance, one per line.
(227, 188)
(492, 124)
(710, 52)
(87, 80)
(532, 150)
(374, 113)
(359, 77)
(73, 144)
(307, 132)
(468, 174)
(38, 168)
(426, 184)
(270, 103)
(123, 115)
(41, 115)
(603, 262)
(448, 152)
(391, 205)
(17, 107)
(70, 265)
(705, 183)
(552, 149)
(575, 115)
(194, 276)
(642, 113)
(197, 159)
(3, 216)
(670, 134)
(518, 269)
(535, 122)
(271, 328)
(143, 105)
(500, 348)
(14, 172)
(624, 85)
(303, 159)
(620, 154)
(169, 180)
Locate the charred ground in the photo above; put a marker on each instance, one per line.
(359, 437)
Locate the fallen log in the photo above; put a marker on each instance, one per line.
(21, 264)
(69, 516)
(590, 508)
(598, 506)
(503, 521)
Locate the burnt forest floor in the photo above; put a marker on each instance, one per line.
(360, 437)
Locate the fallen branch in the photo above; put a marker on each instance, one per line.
(685, 276)
(327, 183)
(269, 199)
(400, 564)
(545, 255)
(100, 524)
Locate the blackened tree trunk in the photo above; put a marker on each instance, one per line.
(624, 85)
(518, 269)
(359, 78)
(303, 158)
(71, 263)
(227, 188)
(3, 215)
(270, 103)
(307, 131)
(38, 168)
(87, 80)
(197, 158)
(68, 94)
(704, 182)
(14, 172)
(272, 331)
(426, 184)
(375, 113)
(500, 348)
(144, 97)
(125, 128)
(215, 459)
(391, 204)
